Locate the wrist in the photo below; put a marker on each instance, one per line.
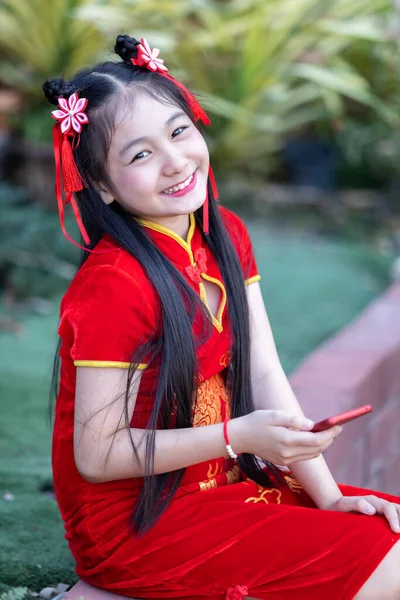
(327, 505)
(236, 430)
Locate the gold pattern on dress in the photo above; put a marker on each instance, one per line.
(233, 475)
(208, 485)
(225, 359)
(263, 493)
(294, 485)
(212, 404)
(211, 473)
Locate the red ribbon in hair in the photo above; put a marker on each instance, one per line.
(67, 173)
(70, 117)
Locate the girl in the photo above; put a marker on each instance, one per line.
(170, 383)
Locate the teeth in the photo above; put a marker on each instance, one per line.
(181, 186)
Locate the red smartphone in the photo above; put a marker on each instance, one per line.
(342, 418)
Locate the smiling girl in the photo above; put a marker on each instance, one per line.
(170, 383)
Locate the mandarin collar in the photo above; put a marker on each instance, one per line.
(178, 250)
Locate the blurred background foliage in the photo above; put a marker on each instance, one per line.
(269, 73)
(266, 68)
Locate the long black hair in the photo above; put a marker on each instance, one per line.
(174, 345)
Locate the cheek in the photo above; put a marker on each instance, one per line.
(139, 180)
(201, 148)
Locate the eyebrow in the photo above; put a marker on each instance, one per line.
(145, 138)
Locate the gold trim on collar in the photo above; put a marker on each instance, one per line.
(216, 320)
(186, 244)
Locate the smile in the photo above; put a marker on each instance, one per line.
(181, 186)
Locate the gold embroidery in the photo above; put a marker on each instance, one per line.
(212, 404)
(294, 485)
(225, 359)
(233, 475)
(211, 473)
(262, 497)
(207, 485)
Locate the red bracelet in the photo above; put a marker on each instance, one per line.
(228, 446)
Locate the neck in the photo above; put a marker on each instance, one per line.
(179, 224)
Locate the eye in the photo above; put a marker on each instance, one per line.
(179, 129)
(145, 152)
(139, 156)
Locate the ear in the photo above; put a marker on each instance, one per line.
(103, 192)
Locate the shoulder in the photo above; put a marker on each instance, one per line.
(235, 227)
(241, 242)
(230, 219)
(112, 277)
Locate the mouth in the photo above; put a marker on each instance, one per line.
(182, 188)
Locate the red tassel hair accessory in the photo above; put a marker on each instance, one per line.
(70, 117)
(149, 58)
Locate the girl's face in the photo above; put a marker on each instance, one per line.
(155, 148)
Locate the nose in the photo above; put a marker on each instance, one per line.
(175, 162)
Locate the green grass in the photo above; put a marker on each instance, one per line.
(312, 287)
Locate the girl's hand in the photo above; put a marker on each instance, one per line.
(279, 437)
(370, 505)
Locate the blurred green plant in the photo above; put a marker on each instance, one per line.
(35, 259)
(41, 40)
(265, 69)
(262, 69)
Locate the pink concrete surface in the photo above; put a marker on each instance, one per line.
(84, 591)
(360, 365)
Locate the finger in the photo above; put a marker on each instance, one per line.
(356, 504)
(284, 419)
(314, 440)
(301, 457)
(397, 506)
(390, 512)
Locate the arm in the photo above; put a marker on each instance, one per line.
(102, 443)
(271, 390)
(99, 413)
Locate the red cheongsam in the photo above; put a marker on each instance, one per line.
(223, 536)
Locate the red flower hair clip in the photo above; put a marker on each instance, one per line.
(148, 57)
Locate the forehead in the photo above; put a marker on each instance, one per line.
(141, 115)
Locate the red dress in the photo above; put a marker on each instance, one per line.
(223, 535)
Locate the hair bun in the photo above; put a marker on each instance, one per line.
(125, 47)
(57, 87)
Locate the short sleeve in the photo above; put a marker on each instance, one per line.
(241, 240)
(108, 319)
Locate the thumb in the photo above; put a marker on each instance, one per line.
(299, 422)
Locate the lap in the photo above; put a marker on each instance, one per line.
(274, 541)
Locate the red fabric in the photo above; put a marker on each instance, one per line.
(60, 147)
(222, 534)
(72, 180)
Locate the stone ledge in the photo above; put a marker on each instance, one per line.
(360, 365)
(84, 591)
